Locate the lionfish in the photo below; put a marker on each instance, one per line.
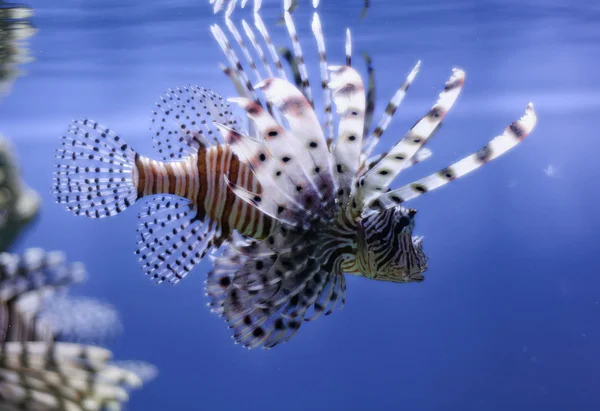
(42, 367)
(296, 209)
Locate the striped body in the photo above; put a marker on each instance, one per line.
(200, 178)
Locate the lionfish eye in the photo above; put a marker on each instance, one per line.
(412, 212)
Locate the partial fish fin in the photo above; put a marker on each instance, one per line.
(214, 109)
(240, 41)
(348, 48)
(237, 84)
(231, 5)
(390, 110)
(245, 147)
(96, 174)
(259, 50)
(171, 240)
(265, 204)
(363, 14)
(513, 135)
(260, 25)
(421, 155)
(288, 150)
(265, 300)
(318, 33)
(349, 99)
(333, 294)
(370, 94)
(272, 177)
(306, 130)
(378, 179)
(293, 63)
(267, 271)
(235, 79)
(183, 121)
(289, 23)
(234, 61)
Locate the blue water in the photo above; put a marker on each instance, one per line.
(508, 317)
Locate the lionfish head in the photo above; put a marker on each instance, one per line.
(387, 250)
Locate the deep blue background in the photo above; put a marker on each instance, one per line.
(508, 317)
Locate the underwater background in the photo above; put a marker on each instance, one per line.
(508, 316)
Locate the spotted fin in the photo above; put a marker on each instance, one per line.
(378, 179)
(267, 205)
(94, 174)
(171, 240)
(513, 135)
(350, 104)
(281, 200)
(237, 84)
(265, 300)
(318, 34)
(183, 121)
(330, 297)
(306, 130)
(288, 150)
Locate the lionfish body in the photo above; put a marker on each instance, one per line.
(298, 207)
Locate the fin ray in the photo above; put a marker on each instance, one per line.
(378, 179)
(513, 135)
(95, 174)
(171, 239)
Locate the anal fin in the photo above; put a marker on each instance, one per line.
(172, 239)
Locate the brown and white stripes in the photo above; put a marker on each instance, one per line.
(201, 179)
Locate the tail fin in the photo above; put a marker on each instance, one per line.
(96, 174)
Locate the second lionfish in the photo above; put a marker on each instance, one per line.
(297, 209)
